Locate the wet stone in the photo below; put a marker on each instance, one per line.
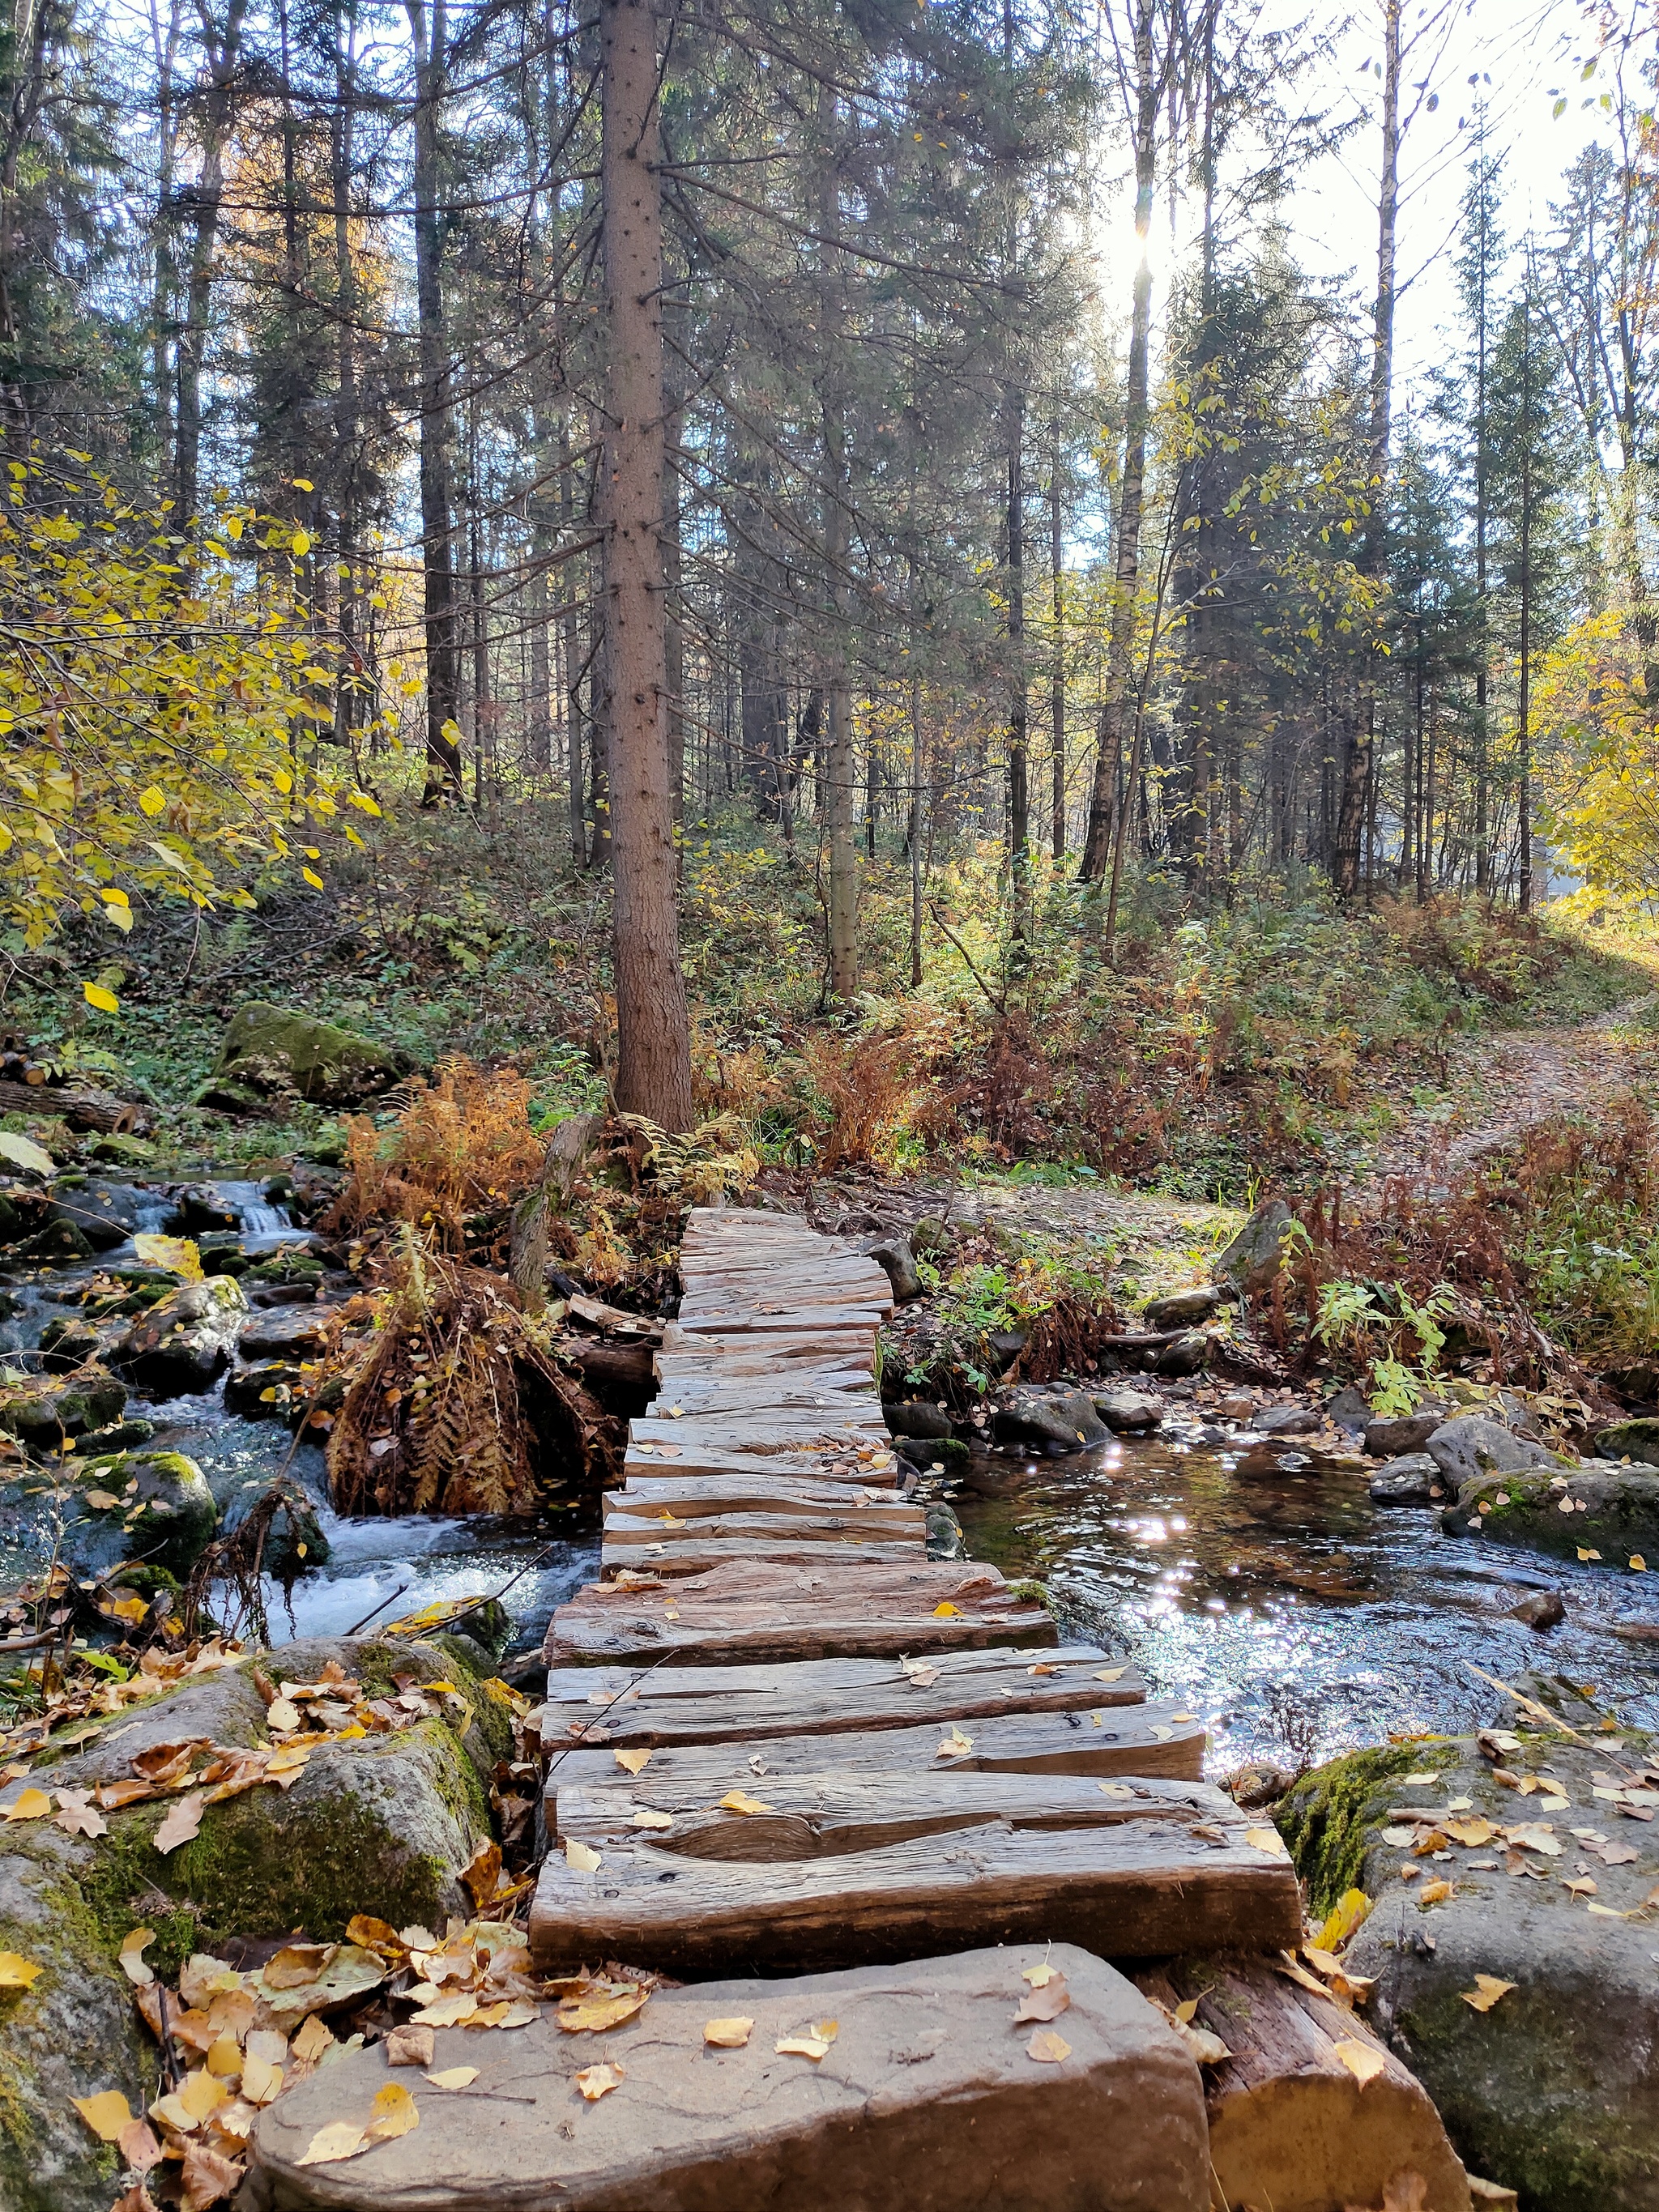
(1411, 1480)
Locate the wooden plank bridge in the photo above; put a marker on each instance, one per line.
(788, 1747)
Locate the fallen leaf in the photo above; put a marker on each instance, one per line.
(261, 2080)
(1418, 1781)
(1298, 1973)
(1111, 1674)
(452, 2011)
(203, 2092)
(918, 1675)
(606, 2006)
(1364, 2063)
(102, 1501)
(955, 1746)
(132, 1956)
(1048, 2048)
(296, 1963)
(1471, 1833)
(1043, 1667)
(339, 2139)
(182, 1822)
(74, 1816)
(409, 2045)
(1583, 1554)
(812, 2042)
(1434, 1892)
(578, 1856)
(136, 2199)
(138, 2146)
(208, 2177)
(648, 1816)
(17, 1972)
(1605, 1913)
(1045, 2000)
(1485, 1993)
(31, 1805)
(225, 2056)
(1349, 1912)
(106, 2114)
(1583, 1886)
(481, 1874)
(631, 1762)
(1161, 1730)
(739, 1800)
(394, 2114)
(1638, 1566)
(1115, 1790)
(1265, 1840)
(728, 2034)
(1532, 1836)
(283, 1715)
(947, 1611)
(597, 2082)
(455, 2077)
(312, 2038)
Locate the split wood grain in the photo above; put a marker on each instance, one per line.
(788, 1613)
(1289, 2124)
(833, 1812)
(1101, 1743)
(709, 1496)
(680, 1706)
(1141, 1889)
(674, 1559)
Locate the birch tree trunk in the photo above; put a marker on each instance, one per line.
(653, 1050)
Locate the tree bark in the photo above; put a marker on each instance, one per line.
(1057, 672)
(653, 1049)
(443, 751)
(1098, 840)
(1361, 737)
(224, 52)
(841, 769)
(1019, 764)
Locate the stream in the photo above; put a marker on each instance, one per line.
(1293, 1616)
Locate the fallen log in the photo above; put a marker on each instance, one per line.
(1292, 2123)
(82, 1109)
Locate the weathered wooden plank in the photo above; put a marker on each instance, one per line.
(809, 1429)
(725, 1319)
(928, 2099)
(800, 1546)
(835, 1811)
(856, 1403)
(784, 1349)
(701, 1496)
(1138, 1887)
(680, 1706)
(798, 1467)
(1109, 1740)
(1290, 2124)
(647, 1532)
(788, 1613)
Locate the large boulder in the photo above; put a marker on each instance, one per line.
(1469, 1447)
(1053, 1421)
(1598, 1507)
(275, 1052)
(1128, 1412)
(285, 1332)
(106, 1213)
(381, 1825)
(1631, 1440)
(44, 1411)
(1255, 1257)
(184, 1343)
(1551, 2089)
(1411, 1480)
(1182, 1308)
(102, 1513)
(1399, 1433)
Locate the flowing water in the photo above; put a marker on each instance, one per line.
(1295, 1618)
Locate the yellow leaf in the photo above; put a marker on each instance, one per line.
(455, 2077)
(303, 484)
(597, 2082)
(1470, 1834)
(152, 801)
(96, 995)
(31, 1806)
(1362, 2060)
(811, 2042)
(1111, 1674)
(182, 1824)
(111, 896)
(177, 1256)
(339, 2139)
(578, 1856)
(739, 1800)
(1265, 1840)
(17, 1972)
(299, 544)
(132, 1956)
(1349, 1910)
(647, 1816)
(362, 799)
(313, 879)
(728, 2034)
(1605, 1913)
(955, 1746)
(605, 2006)
(1638, 1566)
(202, 2094)
(106, 2114)
(1434, 1892)
(283, 781)
(632, 1762)
(946, 1611)
(1485, 1993)
(1583, 1554)
(1048, 2048)
(394, 2114)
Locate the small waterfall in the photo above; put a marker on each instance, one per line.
(259, 1219)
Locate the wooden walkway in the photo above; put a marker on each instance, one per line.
(785, 1740)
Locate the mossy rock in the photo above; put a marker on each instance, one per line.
(168, 1517)
(1619, 1519)
(380, 1825)
(43, 1413)
(1638, 1440)
(184, 1342)
(1553, 2092)
(274, 1051)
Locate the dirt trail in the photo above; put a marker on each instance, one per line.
(1502, 1085)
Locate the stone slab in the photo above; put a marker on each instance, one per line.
(928, 2100)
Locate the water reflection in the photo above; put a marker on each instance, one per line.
(1292, 1614)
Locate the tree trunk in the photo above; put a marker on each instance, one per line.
(1360, 750)
(653, 1047)
(1019, 764)
(1057, 672)
(443, 675)
(841, 769)
(223, 49)
(1099, 840)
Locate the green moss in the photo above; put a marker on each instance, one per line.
(1325, 1819)
(1030, 1592)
